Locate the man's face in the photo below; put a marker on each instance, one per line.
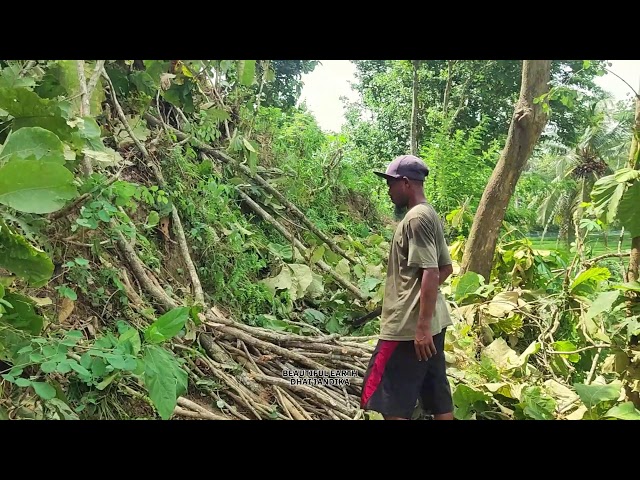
(398, 192)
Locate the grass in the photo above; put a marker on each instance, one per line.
(596, 242)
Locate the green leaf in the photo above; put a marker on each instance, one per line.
(283, 251)
(318, 252)
(20, 257)
(467, 284)
(606, 194)
(49, 367)
(34, 186)
(602, 303)
(467, 400)
(35, 142)
(588, 280)
(87, 137)
(80, 369)
(246, 71)
(85, 360)
(167, 325)
(116, 361)
(23, 382)
(536, 404)
(152, 219)
(164, 379)
(44, 390)
(627, 210)
(593, 394)
(624, 411)
(566, 346)
(63, 367)
(586, 64)
(98, 367)
(22, 314)
(131, 338)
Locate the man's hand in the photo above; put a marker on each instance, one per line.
(423, 343)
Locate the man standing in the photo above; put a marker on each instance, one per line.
(408, 363)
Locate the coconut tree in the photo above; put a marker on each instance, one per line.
(599, 151)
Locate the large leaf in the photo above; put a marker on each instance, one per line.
(23, 259)
(624, 411)
(164, 379)
(593, 394)
(606, 194)
(34, 186)
(628, 210)
(22, 315)
(467, 284)
(536, 404)
(246, 71)
(588, 280)
(167, 325)
(467, 400)
(303, 277)
(33, 141)
(29, 110)
(602, 303)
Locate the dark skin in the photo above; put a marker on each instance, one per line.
(406, 194)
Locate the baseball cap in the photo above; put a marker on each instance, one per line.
(408, 166)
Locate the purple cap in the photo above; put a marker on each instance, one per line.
(408, 166)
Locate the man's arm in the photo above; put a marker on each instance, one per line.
(428, 294)
(445, 271)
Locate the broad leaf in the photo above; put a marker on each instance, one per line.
(34, 186)
(628, 210)
(283, 251)
(22, 314)
(593, 394)
(467, 284)
(33, 142)
(167, 325)
(567, 346)
(588, 280)
(23, 259)
(44, 390)
(536, 404)
(624, 411)
(602, 303)
(467, 400)
(164, 379)
(246, 71)
(606, 195)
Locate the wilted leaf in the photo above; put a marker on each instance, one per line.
(502, 355)
(503, 304)
(65, 309)
(342, 268)
(107, 158)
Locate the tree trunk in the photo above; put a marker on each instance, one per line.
(526, 126)
(414, 109)
(634, 162)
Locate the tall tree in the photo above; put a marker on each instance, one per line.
(634, 162)
(414, 109)
(527, 124)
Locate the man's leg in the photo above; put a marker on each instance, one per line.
(436, 392)
(393, 380)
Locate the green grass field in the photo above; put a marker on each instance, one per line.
(596, 242)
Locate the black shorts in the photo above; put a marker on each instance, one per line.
(395, 380)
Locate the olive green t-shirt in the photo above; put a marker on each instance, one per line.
(418, 243)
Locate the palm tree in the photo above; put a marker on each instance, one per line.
(599, 151)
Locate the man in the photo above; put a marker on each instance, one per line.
(408, 363)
